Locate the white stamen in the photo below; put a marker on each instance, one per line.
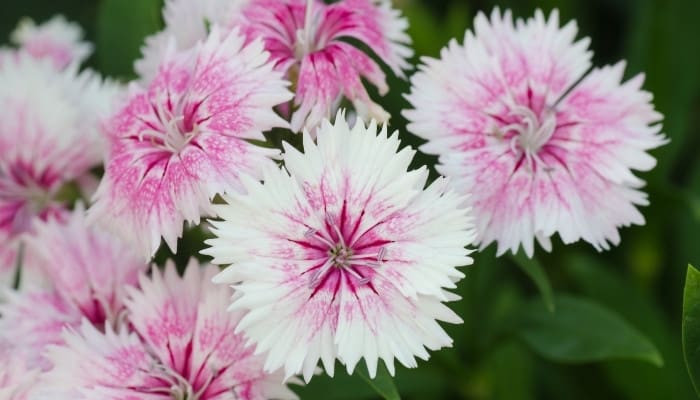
(171, 138)
(363, 263)
(180, 387)
(305, 36)
(361, 280)
(335, 227)
(536, 133)
(381, 254)
(341, 256)
(312, 233)
(318, 274)
(532, 133)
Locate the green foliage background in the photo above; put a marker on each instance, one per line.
(510, 347)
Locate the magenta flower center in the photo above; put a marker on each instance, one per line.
(344, 253)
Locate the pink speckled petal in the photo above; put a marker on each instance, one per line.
(110, 365)
(181, 141)
(85, 265)
(35, 319)
(307, 46)
(540, 148)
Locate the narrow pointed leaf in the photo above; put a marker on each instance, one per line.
(691, 325)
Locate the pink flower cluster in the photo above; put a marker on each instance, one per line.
(49, 135)
(89, 307)
(334, 250)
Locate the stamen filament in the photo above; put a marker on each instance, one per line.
(335, 227)
(532, 133)
(313, 233)
(361, 280)
(318, 274)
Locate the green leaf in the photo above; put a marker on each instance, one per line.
(605, 284)
(581, 331)
(122, 26)
(534, 271)
(691, 325)
(383, 383)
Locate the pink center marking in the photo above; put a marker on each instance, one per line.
(341, 252)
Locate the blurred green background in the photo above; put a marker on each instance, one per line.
(640, 281)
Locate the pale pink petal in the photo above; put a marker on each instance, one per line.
(186, 23)
(49, 139)
(306, 45)
(96, 365)
(57, 40)
(17, 379)
(182, 346)
(374, 23)
(84, 264)
(70, 272)
(33, 320)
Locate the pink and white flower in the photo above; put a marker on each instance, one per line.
(542, 147)
(72, 272)
(186, 24)
(306, 40)
(32, 320)
(182, 347)
(343, 254)
(86, 265)
(49, 138)
(16, 379)
(185, 138)
(56, 39)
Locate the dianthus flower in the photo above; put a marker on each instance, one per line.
(182, 347)
(306, 39)
(343, 254)
(186, 137)
(75, 272)
(49, 140)
(541, 146)
(58, 40)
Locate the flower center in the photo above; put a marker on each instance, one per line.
(38, 198)
(176, 138)
(341, 257)
(175, 132)
(33, 190)
(532, 132)
(179, 388)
